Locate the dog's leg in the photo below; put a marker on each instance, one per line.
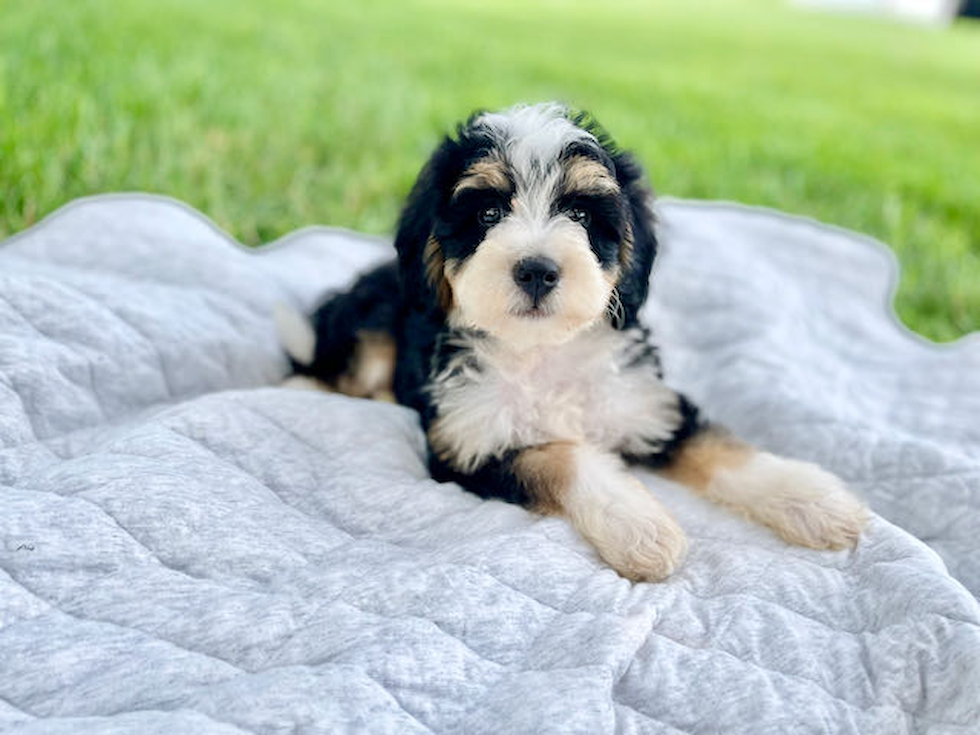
(614, 511)
(802, 503)
(347, 345)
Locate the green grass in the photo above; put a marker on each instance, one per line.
(268, 116)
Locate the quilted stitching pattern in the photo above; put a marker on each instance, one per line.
(184, 550)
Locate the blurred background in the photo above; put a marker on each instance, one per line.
(268, 116)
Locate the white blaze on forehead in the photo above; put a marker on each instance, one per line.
(533, 136)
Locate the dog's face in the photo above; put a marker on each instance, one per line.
(528, 226)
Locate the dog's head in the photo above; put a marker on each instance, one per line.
(528, 225)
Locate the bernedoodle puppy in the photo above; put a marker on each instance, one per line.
(510, 323)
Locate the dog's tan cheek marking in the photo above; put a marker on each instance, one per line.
(371, 371)
(585, 287)
(450, 268)
(612, 274)
(487, 173)
(435, 273)
(483, 287)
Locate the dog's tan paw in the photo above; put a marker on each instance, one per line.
(633, 532)
(629, 528)
(644, 548)
(802, 503)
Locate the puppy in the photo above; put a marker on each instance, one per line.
(510, 323)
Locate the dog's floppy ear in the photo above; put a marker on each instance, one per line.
(420, 260)
(634, 283)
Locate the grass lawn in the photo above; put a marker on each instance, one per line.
(268, 116)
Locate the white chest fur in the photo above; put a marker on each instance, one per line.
(589, 390)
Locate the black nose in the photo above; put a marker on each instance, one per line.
(536, 276)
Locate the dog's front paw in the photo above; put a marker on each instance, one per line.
(802, 503)
(647, 547)
(632, 531)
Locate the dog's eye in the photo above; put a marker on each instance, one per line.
(582, 216)
(490, 215)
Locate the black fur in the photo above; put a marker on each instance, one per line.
(371, 305)
(635, 283)
(493, 479)
(399, 298)
(690, 423)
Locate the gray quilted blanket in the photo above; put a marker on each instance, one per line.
(185, 547)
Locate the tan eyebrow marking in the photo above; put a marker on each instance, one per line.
(587, 176)
(487, 173)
